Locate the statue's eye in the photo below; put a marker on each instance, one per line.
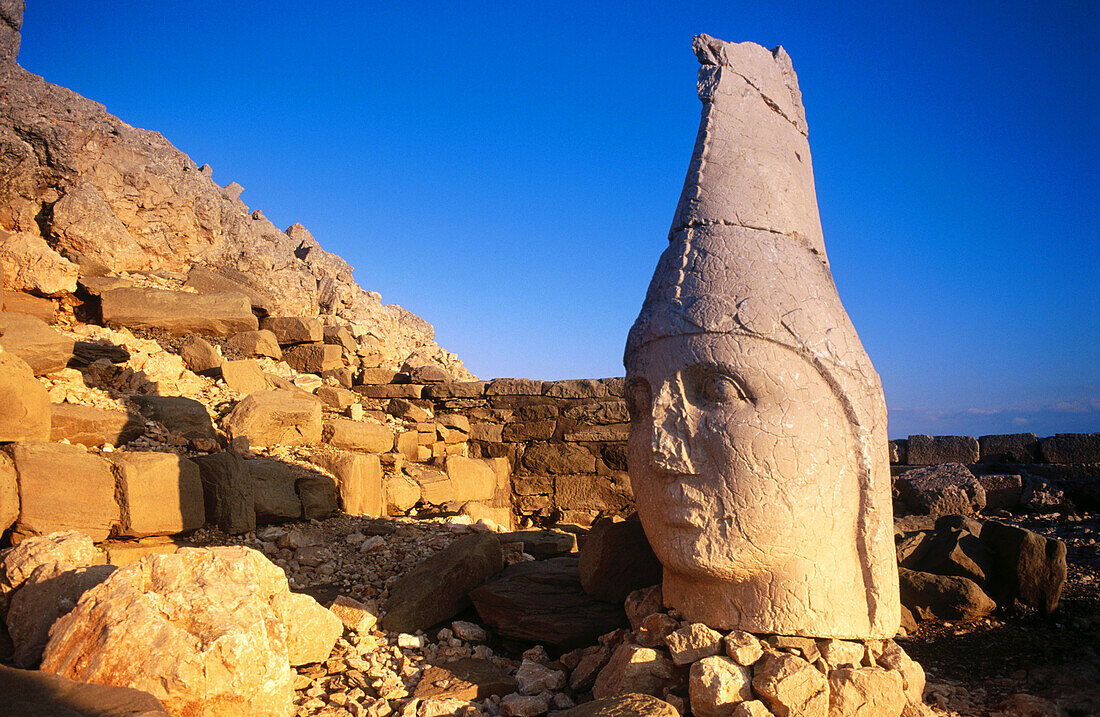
(639, 397)
(718, 387)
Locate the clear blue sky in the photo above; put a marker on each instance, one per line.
(508, 171)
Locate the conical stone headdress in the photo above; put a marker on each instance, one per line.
(746, 256)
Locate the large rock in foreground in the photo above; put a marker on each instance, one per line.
(206, 631)
(178, 312)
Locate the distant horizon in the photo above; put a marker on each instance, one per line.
(509, 175)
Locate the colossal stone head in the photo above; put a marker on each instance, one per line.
(758, 450)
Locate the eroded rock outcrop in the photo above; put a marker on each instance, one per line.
(81, 188)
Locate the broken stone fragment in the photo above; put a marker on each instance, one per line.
(941, 490)
(437, 588)
(633, 668)
(745, 649)
(692, 643)
(857, 691)
(790, 686)
(257, 343)
(198, 355)
(716, 684)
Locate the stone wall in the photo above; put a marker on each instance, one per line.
(565, 440)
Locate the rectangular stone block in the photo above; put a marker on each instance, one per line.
(91, 426)
(599, 413)
(558, 459)
(125, 553)
(615, 432)
(591, 492)
(178, 312)
(64, 488)
(1008, 448)
(159, 493)
(490, 432)
(521, 432)
(295, 329)
(407, 444)
(1071, 448)
(458, 389)
(514, 387)
(377, 376)
(533, 485)
(314, 358)
(275, 496)
(358, 481)
(245, 376)
(358, 435)
(391, 390)
(1002, 492)
(575, 388)
(937, 450)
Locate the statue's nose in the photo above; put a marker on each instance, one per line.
(672, 429)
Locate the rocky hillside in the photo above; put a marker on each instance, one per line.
(83, 194)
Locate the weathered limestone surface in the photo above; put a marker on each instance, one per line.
(755, 409)
(158, 493)
(206, 631)
(91, 426)
(64, 488)
(29, 338)
(31, 265)
(290, 418)
(24, 403)
(358, 481)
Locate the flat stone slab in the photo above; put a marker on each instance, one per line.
(178, 312)
(543, 601)
(29, 338)
(92, 426)
(38, 694)
(466, 679)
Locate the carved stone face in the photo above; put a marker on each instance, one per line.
(738, 458)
